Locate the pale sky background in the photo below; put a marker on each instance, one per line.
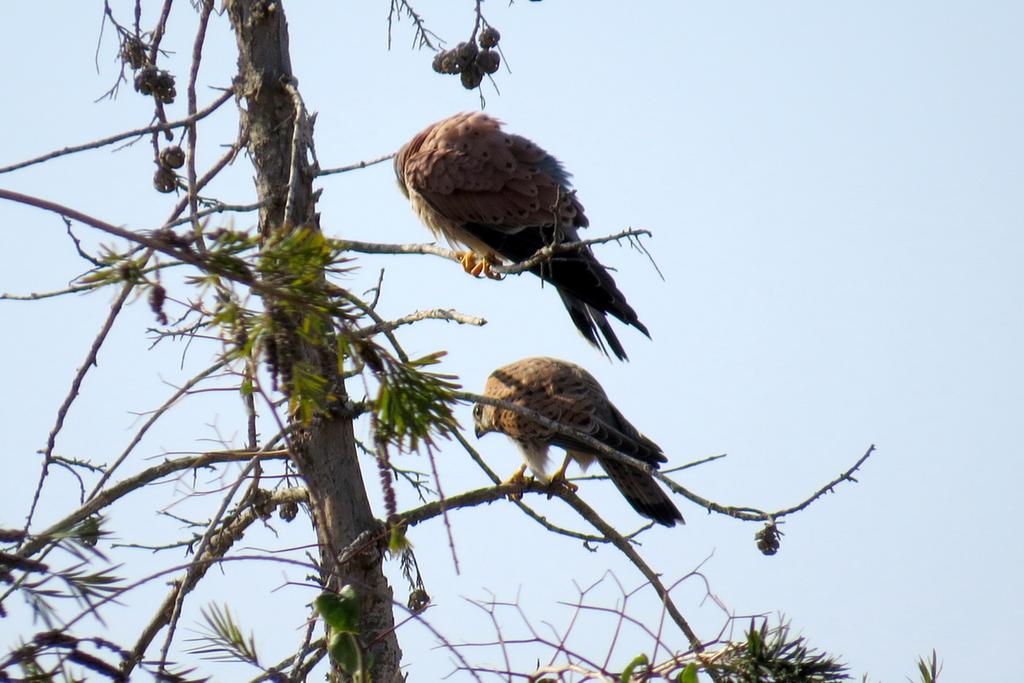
(835, 195)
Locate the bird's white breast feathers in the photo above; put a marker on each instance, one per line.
(443, 228)
(536, 458)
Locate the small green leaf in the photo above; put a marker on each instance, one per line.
(340, 610)
(398, 541)
(689, 674)
(345, 651)
(627, 673)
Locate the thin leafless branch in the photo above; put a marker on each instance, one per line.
(356, 166)
(76, 385)
(117, 137)
(449, 314)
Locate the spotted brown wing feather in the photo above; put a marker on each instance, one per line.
(502, 194)
(569, 395)
(609, 427)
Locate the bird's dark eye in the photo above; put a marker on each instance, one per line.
(477, 411)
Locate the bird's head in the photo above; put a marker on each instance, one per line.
(483, 419)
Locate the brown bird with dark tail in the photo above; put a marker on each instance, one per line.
(504, 198)
(569, 395)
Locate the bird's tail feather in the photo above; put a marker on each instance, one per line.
(581, 275)
(589, 321)
(643, 493)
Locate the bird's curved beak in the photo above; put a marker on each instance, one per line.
(479, 431)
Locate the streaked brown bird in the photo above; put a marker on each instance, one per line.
(503, 198)
(568, 394)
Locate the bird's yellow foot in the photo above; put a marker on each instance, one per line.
(518, 479)
(478, 266)
(559, 480)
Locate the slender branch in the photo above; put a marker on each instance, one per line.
(300, 130)
(376, 248)
(193, 129)
(549, 252)
(158, 32)
(157, 243)
(541, 255)
(743, 513)
(218, 542)
(210, 174)
(374, 316)
(76, 385)
(217, 207)
(421, 34)
(109, 471)
(102, 142)
(356, 166)
(192, 576)
(449, 314)
(533, 514)
(491, 494)
(827, 488)
(122, 590)
(38, 296)
(108, 496)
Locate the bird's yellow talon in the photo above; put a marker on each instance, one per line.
(564, 483)
(478, 266)
(468, 261)
(558, 479)
(517, 479)
(487, 272)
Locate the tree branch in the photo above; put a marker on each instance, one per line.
(743, 513)
(356, 166)
(36, 542)
(449, 314)
(102, 142)
(491, 494)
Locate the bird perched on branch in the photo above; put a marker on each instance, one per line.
(503, 198)
(569, 395)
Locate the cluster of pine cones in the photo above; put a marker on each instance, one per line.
(469, 61)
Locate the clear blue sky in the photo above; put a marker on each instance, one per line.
(835, 193)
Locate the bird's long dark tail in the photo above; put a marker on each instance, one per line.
(643, 493)
(586, 287)
(593, 325)
(579, 274)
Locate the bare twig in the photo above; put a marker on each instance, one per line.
(540, 256)
(192, 575)
(216, 207)
(108, 496)
(448, 314)
(184, 390)
(193, 129)
(552, 250)
(491, 494)
(37, 296)
(300, 134)
(421, 34)
(376, 248)
(157, 243)
(158, 32)
(102, 142)
(356, 166)
(76, 385)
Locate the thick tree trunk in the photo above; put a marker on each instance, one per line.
(324, 450)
